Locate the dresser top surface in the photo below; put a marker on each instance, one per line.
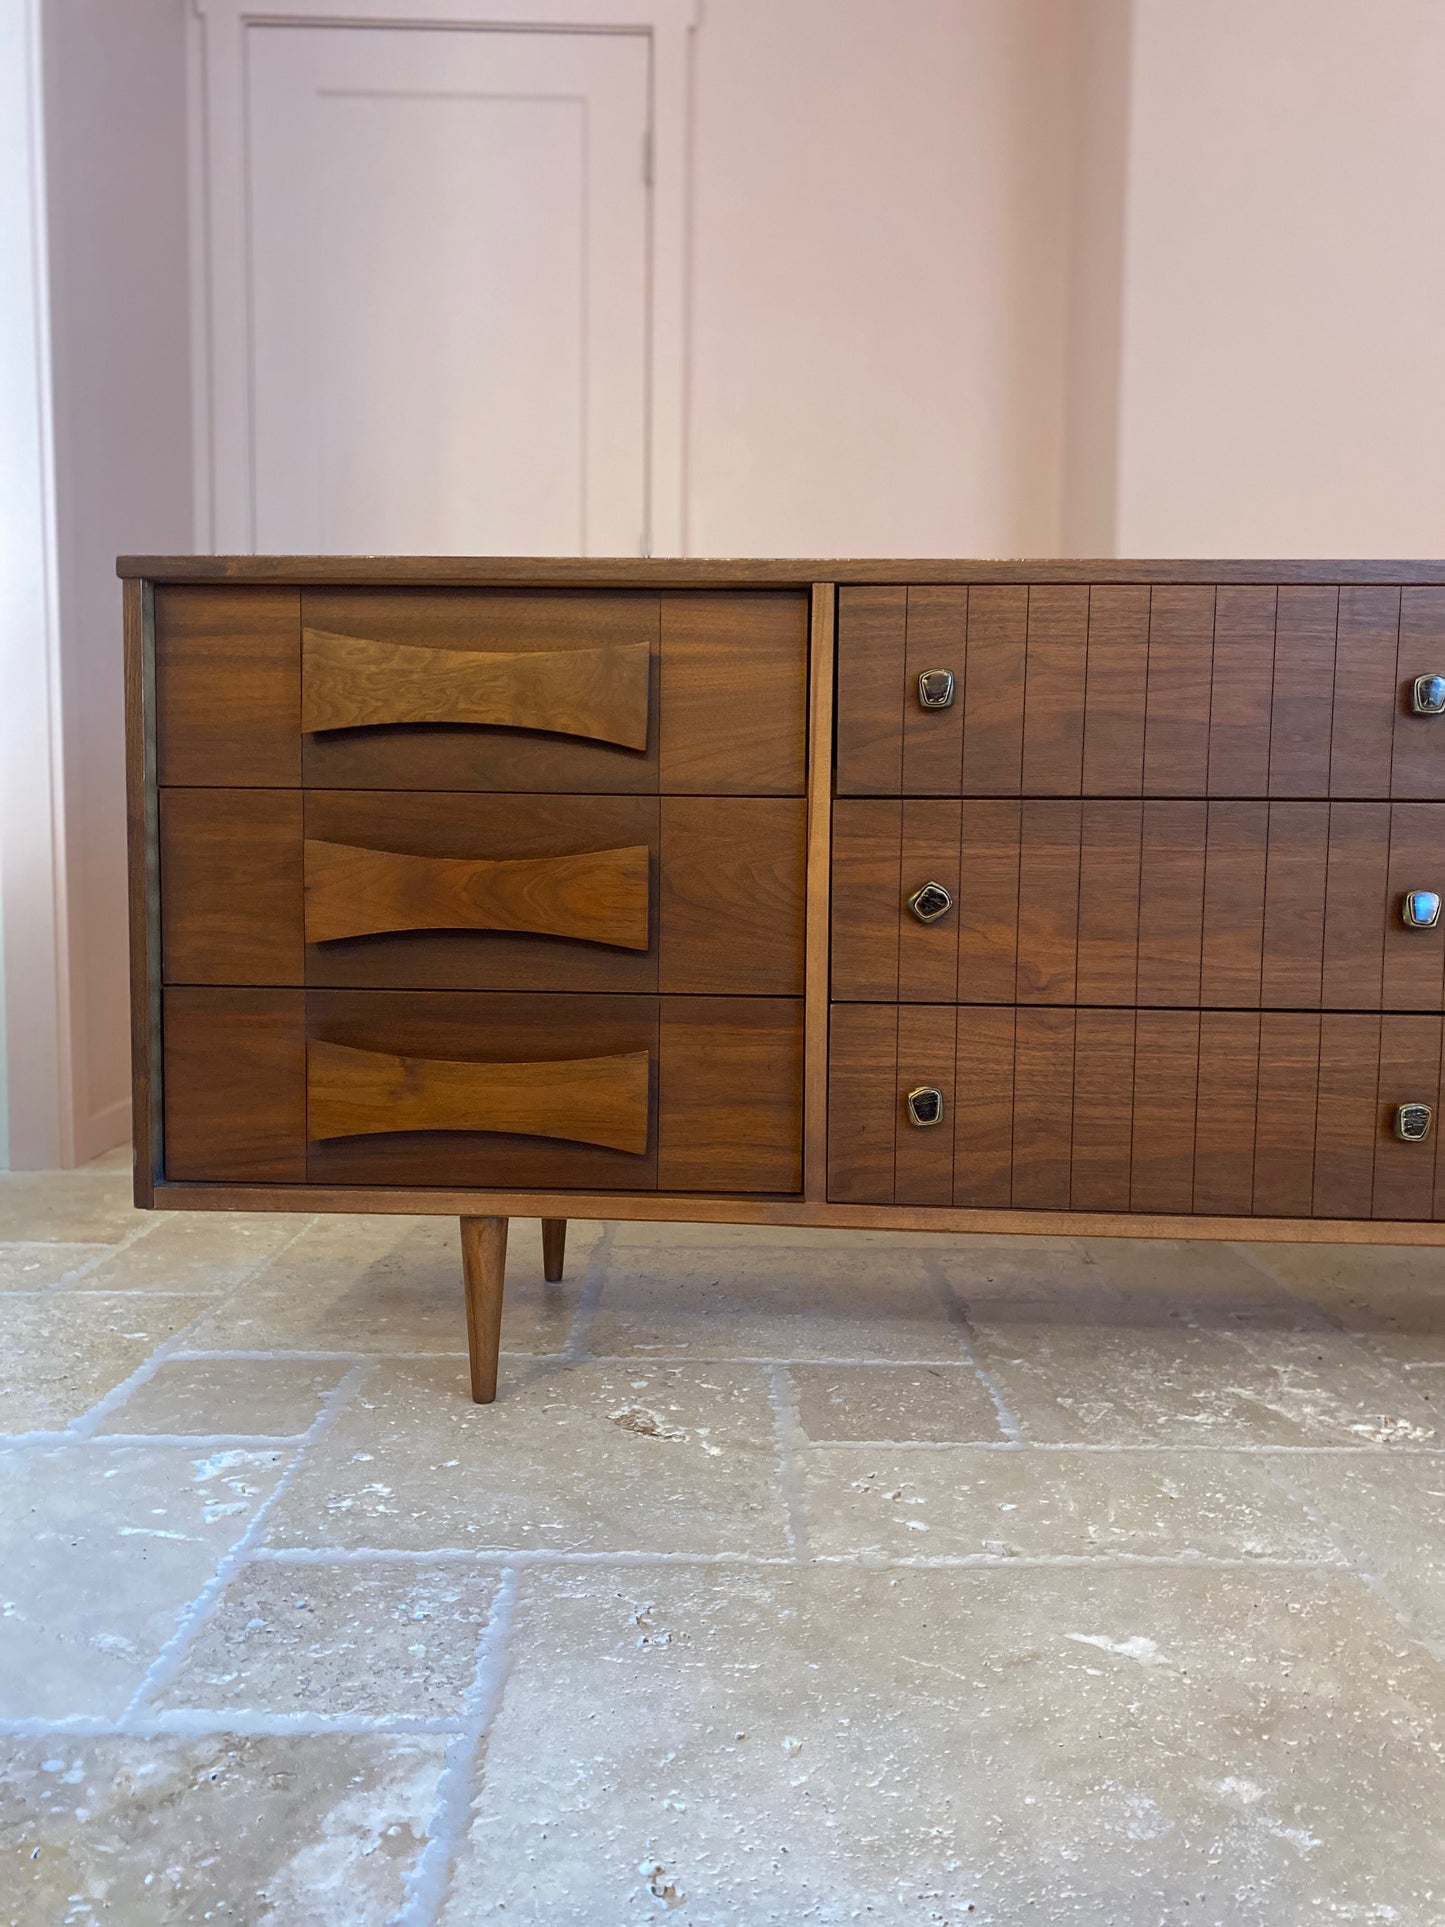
(666, 572)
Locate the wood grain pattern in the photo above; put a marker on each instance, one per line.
(1102, 1124)
(1344, 1146)
(733, 895)
(1115, 691)
(484, 1265)
(472, 1028)
(356, 682)
(1289, 1063)
(733, 719)
(142, 891)
(230, 886)
(923, 1154)
(993, 693)
(228, 686)
(1242, 687)
(983, 1106)
(1226, 1096)
(1053, 750)
(581, 1100)
(554, 1249)
(1404, 1177)
(1412, 960)
(1048, 904)
(1294, 904)
(1171, 902)
(1365, 692)
(1110, 848)
(866, 894)
(1302, 708)
(988, 897)
(872, 625)
(1358, 912)
(1417, 761)
(235, 1085)
(929, 852)
(1166, 1076)
(936, 638)
(862, 1102)
(730, 1103)
(1232, 941)
(1176, 726)
(593, 896)
(1043, 1114)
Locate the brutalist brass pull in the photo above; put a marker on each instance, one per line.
(1420, 909)
(935, 689)
(931, 902)
(925, 1105)
(1412, 1123)
(1427, 697)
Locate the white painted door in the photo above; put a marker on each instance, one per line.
(448, 246)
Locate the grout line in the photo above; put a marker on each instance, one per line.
(427, 1882)
(166, 1663)
(1354, 1558)
(499, 1555)
(789, 1437)
(214, 1723)
(956, 1313)
(575, 1351)
(752, 1561)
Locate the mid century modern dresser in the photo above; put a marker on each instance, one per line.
(959, 896)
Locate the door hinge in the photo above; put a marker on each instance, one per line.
(647, 158)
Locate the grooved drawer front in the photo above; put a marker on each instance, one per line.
(616, 691)
(1156, 902)
(419, 890)
(553, 1091)
(1186, 690)
(1216, 1112)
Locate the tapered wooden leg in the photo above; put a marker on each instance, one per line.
(554, 1248)
(484, 1263)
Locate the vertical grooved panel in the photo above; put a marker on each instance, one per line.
(1103, 1075)
(988, 900)
(862, 1102)
(1413, 959)
(871, 627)
(1054, 693)
(1356, 905)
(993, 693)
(1242, 683)
(1409, 1074)
(983, 1107)
(1234, 867)
(1115, 689)
(928, 952)
(866, 834)
(1048, 913)
(1225, 1112)
(1166, 1070)
(1366, 652)
(1417, 765)
(1108, 946)
(933, 738)
(1176, 728)
(1043, 1109)
(1294, 904)
(1289, 1057)
(1171, 901)
(1304, 692)
(923, 1159)
(1345, 1116)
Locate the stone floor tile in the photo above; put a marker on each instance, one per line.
(61, 1352)
(636, 1457)
(68, 1207)
(936, 1402)
(1391, 1510)
(766, 1303)
(380, 1284)
(640, 1236)
(360, 1639)
(164, 1833)
(195, 1251)
(1081, 1748)
(1214, 1284)
(1175, 1385)
(1391, 1296)
(101, 1549)
(268, 1397)
(35, 1267)
(957, 1502)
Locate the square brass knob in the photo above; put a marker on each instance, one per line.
(1412, 1123)
(935, 689)
(930, 902)
(1427, 697)
(925, 1105)
(1420, 909)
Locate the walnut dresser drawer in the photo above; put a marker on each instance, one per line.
(959, 896)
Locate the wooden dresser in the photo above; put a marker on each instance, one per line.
(957, 896)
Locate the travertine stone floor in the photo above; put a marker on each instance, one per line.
(794, 1577)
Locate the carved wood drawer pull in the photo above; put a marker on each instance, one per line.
(585, 1100)
(350, 682)
(595, 896)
